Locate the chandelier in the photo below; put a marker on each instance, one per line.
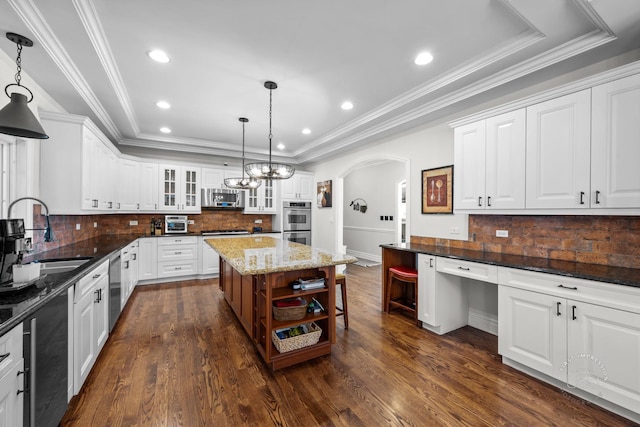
(270, 170)
(243, 183)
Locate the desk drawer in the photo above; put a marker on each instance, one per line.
(177, 268)
(178, 252)
(178, 240)
(471, 270)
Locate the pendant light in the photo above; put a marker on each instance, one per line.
(16, 118)
(270, 170)
(242, 183)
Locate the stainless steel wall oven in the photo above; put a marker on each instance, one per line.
(297, 222)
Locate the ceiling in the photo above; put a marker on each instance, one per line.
(91, 57)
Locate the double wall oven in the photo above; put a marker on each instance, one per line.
(297, 222)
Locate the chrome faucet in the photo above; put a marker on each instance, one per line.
(48, 233)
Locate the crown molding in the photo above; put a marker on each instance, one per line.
(92, 25)
(38, 26)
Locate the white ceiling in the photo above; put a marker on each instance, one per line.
(90, 56)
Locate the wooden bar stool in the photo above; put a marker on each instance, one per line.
(407, 299)
(341, 280)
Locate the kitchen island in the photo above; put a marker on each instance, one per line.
(257, 271)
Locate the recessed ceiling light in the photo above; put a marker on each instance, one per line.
(165, 130)
(163, 104)
(159, 56)
(306, 131)
(347, 105)
(423, 58)
(281, 146)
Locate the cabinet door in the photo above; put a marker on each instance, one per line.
(148, 258)
(427, 289)
(604, 353)
(11, 403)
(268, 196)
(214, 178)
(615, 150)
(305, 186)
(532, 330)
(148, 192)
(84, 339)
(558, 147)
(191, 190)
(107, 163)
(469, 170)
(101, 312)
(169, 187)
(128, 179)
(505, 161)
(90, 173)
(210, 260)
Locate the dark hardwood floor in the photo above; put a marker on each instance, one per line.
(179, 357)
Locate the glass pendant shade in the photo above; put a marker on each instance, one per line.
(270, 170)
(17, 119)
(244, 183)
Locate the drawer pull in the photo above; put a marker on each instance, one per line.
(95, 276)
(464, 268)
(558, 309)
(573, 288)
(178, 268)
(4, 356)
(177, 252)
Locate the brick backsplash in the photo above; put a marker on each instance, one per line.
(606, 240)
(64, 226)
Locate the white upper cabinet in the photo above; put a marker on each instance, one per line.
(558, 147)
(615, 144)
(75, 165)
(298, 187)
(129, 191)
(148, 188)
(179, 188)
(213, 178)
(261, 200)
(489, 163)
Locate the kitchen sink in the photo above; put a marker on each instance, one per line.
(62, 266)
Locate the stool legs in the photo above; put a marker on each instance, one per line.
(342, 281)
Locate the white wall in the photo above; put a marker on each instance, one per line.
(423, 148)
(363, 233)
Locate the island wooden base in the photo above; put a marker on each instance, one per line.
(251, 297)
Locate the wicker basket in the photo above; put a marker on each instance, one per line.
(290, 313)
(300, 341)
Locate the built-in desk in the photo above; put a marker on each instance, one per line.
(576, 326)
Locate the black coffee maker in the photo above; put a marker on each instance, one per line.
(14, 245)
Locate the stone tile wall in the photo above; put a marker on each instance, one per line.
(64, 226)
(606, 240)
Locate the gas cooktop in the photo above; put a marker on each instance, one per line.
(222, 232)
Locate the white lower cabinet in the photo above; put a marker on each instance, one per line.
(147, 258)
(12, 380)
(443, 302)
(561, 327)
(210, 262)
(91, 321)
(128, 271)
(177, 256)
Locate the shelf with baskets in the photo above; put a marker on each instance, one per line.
(319, 326)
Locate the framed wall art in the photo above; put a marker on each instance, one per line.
(437, 190)
(324, 194)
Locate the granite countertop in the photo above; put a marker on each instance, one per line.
(261, 255)
(17, 306)
(595, 272)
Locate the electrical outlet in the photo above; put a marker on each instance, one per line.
(95, 225)
(77, 226)
(133, 222)
(191, 222)
(258, 221)
(454, 230)
(502, 233)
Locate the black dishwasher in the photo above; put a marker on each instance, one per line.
(46, 341)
